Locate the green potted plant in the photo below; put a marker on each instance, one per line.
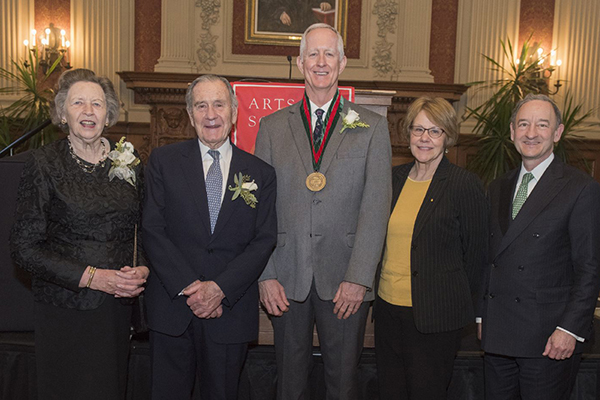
(33, 108)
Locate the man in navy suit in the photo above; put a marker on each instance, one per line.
(209, 227)
(542, 282)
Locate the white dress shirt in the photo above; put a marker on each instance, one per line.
(537, 174)
(313, 117)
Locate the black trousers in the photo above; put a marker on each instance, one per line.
(538, 378)
(82, 354)
(410, 364)
(176, 360)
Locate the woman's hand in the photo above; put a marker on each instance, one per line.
(132, 275)
(126, 282)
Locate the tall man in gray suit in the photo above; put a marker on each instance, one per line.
(333, 205)
(544, 275)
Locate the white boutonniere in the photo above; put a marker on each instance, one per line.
(352, 120)
(123, 162)
(243, 188)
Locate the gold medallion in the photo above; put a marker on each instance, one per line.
(316, 181)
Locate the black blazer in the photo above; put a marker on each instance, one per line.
(181, 249)
(544, 270)
(449, 247)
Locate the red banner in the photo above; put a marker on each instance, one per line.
(257, 100)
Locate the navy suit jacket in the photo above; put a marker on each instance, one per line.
(544, 267)
(181, 249)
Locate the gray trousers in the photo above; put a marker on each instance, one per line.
(341, 346)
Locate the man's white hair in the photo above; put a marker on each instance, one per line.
(340, 41)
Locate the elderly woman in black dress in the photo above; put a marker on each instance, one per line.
(75, 232)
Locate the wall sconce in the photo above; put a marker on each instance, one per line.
(49, 46)
(546, 65)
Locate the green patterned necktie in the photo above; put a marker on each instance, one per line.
(521, 194)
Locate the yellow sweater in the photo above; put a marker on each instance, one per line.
(394, 283)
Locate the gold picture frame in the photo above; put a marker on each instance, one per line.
(264, 28)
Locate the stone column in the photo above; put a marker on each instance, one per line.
(177, 37)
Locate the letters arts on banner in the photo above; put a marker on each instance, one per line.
(257, 100)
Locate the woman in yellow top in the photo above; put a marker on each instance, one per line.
(436, 245)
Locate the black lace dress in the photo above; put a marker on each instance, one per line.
(67, 219)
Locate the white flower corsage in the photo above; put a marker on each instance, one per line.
(352, 120)
(123, 162)
(243, 188)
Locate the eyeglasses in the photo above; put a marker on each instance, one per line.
(434, 132)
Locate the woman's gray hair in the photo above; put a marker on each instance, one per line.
(71, 77)
(320, 25)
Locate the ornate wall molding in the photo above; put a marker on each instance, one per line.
(404, 55)
(207, 43)
(387, 15)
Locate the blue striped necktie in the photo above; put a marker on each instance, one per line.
(214, 188)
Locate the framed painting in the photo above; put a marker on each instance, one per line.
(282, 22)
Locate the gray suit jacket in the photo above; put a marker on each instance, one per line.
(336, 234)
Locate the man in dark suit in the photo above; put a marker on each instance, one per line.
(332, 215)
(209, 227)
(541, 286)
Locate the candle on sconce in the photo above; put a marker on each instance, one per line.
(44, 48)
(33, 33)
(26, 44)
(67, 45)
(558, 64)
(62, 38)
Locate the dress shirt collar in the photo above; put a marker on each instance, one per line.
(537, 174)
(224, 150)
(537, 171)
(314, 107)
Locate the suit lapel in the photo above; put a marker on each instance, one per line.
(399, 178)
(334, 141)
(436, 190)
(507, 187)
(227, 206)
(296, 126)
(193, 172)
(544, 192)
